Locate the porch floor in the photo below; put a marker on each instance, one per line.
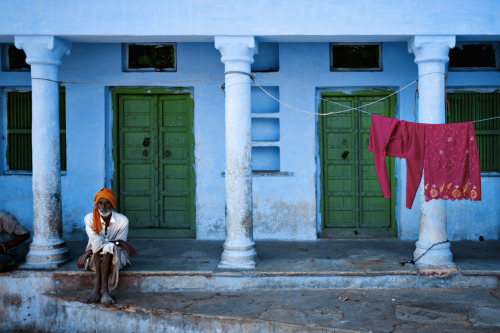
(359, 257)
(331, 285)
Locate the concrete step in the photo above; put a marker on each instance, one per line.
(346, 311)
(253, 280)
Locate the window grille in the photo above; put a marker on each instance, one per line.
(19, 117)
(469, 106)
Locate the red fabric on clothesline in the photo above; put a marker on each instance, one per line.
(447, 152)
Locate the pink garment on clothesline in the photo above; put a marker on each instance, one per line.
(451, 162)
(447, 152)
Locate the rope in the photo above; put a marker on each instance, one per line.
(446, 101)
(333, 112)
(475, 121)
(238, 72)
(298, 111)
(288, 106)
(413, 261)
(415, 103)
(126, 83)
(357, 109)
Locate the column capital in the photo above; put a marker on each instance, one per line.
(236, 48)
(44, 50)
(431, 48)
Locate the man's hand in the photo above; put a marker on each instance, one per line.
(127, 247)
(81, 261)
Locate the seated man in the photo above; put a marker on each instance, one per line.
(107, 248)
(12, 233)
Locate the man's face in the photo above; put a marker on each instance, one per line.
(104, 207)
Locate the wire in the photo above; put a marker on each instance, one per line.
(333, 112)
(357, 109)
(476, 121)
(289, 106)
(126, 83)
(297, 110)
(347, 110)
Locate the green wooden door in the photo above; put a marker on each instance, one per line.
(352, 202)
(156, 180)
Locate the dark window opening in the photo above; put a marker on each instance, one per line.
(474, 56)
(19, 115)
(154, 57)
(355, 57)
(267, 58)
(14, 59)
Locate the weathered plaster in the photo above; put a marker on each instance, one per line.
(304, 73)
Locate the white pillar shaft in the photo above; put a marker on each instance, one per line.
(431, 54)
(46, 156)
(48, 249)
(238, 160)
(239, 247)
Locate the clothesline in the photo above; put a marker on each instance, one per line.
(127, 83)
(297, 110)
(351, 108)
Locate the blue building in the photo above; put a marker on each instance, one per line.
(205, 117)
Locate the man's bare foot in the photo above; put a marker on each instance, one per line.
(95, 297)
(106, 299)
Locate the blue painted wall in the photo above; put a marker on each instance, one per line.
(286, 205)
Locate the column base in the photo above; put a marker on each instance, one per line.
(439, 256)
(46, 257)
(238, 257)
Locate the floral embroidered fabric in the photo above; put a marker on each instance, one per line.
(451, 163)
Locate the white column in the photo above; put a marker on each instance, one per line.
(431, 55)
(44, 53)
(239, 247)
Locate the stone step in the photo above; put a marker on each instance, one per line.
(334, 310)
(253, 280)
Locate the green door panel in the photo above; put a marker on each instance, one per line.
(175, 163)
(375, 211)
(352, 202)
(156, 178)
(137, 177)
(339, 165)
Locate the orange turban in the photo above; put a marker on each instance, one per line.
(106, 194)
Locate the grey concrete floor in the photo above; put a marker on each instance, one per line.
(354, 256)
(398, 310)
(303, 310)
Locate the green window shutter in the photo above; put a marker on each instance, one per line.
(19, 153)
(465, 106)
(19, 131)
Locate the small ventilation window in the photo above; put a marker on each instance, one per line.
(150, 57)
(14, 59)
(355, 57)
(267, 58)
(474, 56)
